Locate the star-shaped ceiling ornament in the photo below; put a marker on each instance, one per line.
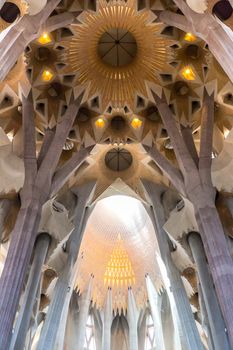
(116, 51)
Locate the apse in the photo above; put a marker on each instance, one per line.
(125, 250)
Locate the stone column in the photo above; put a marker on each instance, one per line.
(169, 333)
(55, 315)
(215, 318)
(189, 335)
(132, 316)
(107, 322)
(29, 297)
(155, 307)
(42, 180)
(84, 307)
(98, 328)
(142, 328)
(204, 318)
(4, 208)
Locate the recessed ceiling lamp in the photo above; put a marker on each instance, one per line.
(45, 38)
(188, 73)
(47, 75)
(190, 37)
(136, 123)
(100, 123)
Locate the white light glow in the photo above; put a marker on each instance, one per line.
(10, 136)
(226, 133)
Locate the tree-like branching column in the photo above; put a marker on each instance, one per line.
(42, 180)
(193, 180)
(207, 28)
(27, 29)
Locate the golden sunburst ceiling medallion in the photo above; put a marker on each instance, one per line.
(115, 51)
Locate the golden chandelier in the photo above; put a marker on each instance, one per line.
(116, 51)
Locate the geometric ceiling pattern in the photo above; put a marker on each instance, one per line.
(115, 51)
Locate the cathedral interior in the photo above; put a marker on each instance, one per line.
(116, 175)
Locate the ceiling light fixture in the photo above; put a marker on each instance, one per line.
(190, 37)
(45, 38)
(188, 73)
(47, 75)
(100, 123)
(136, 123)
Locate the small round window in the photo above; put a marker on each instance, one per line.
(118, 159)
(9, 12)
(223, 10)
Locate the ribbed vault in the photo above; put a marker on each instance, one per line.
(119, 226)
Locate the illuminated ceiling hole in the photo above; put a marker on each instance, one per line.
(228, 99)
(117, 47)
(190, 37)
(55, 89)
(83, 115)
(95, 103)
(152, 114)
(65, 33)
(118, 123)
(181, 88)
(193, 51)
(196, 105)
(166, 78)
(141, 103)
(6, 102)
(40, 108)
(42, 54)
(223, 10)
(118, 159)
(68, 79)
(9, 12)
